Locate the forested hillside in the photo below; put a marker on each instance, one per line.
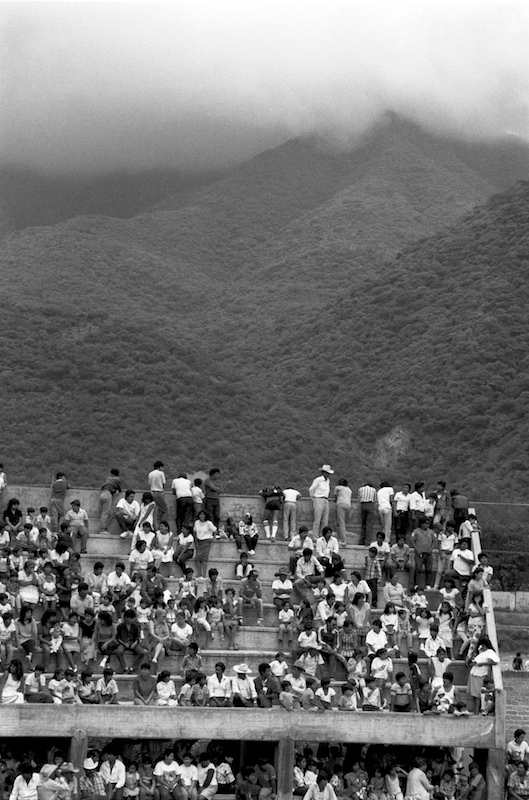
(293, 312)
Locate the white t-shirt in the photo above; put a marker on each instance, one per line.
(203, 772)
(166, 770)
(463, 561)
(402, 501)
(384, 496)
(131, 509)
(182, 634)
(141, 560)
(188, 774)
(516, 752)
(156, 480)
(343, 495)
(291, 495)
(182, 487)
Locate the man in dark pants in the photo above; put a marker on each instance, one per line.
(367, 497)
(212, 496)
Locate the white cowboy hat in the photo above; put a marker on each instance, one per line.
(326, 468)
(47, 771)
(89, 764)
(242, 668)
(68, 767)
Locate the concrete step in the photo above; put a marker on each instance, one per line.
(107, 545)
(253, 657)
(267, 564)
(125, 684)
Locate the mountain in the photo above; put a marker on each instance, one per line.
(29, 197)
(255, 323)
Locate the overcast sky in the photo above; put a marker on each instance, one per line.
(97, 85)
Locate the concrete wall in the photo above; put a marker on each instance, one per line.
(254, 724)
(231, 505)
(510, 601)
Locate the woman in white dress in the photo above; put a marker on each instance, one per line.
(204, 531)
(12, 684)
(162, 547)
(146, 514)
(418, 787)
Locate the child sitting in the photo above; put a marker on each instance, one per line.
(107, 689)
(132, 781)
(286, 619)
(286, 698)
(487, 697)
(325, 694)
(244, 567)
(376, 788)
(216, 618)
(348, 701)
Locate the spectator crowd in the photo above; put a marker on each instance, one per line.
(58, 618)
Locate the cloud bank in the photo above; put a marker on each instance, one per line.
(90, 86)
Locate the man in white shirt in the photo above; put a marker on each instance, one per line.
(376, 638)
(417, 504)
(157, 480)
(113, 773)
(119, 586)
(357, 585)
(219, 687)
(25, 785)
(326, 545)
(77, 518)
(290, 507)
(401, 503)
(243, 689)
(183, 491)
(343, 496)
(382, 546)
(181, 633)
(319, 490)
(385, 508)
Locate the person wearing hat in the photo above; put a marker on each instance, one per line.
(66, 776)
(91, 784)
(242, 686)
(77, 518)
(282, 587)
(296, 679)
(48, 787)
(25, 784)
(320, 490)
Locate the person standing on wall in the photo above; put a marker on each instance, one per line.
(385, 497)
(212, 489)
(320, 490)
(3, 487)
(59, 488)
(290, 508)
(183, 491)
(157, 480)
(111, 487)
(367, 497)
(343, 496)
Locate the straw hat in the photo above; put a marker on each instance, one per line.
(47, 771)
(242, 669)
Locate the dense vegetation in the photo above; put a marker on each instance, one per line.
(291, 313)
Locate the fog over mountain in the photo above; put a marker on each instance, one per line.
(92, 87)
